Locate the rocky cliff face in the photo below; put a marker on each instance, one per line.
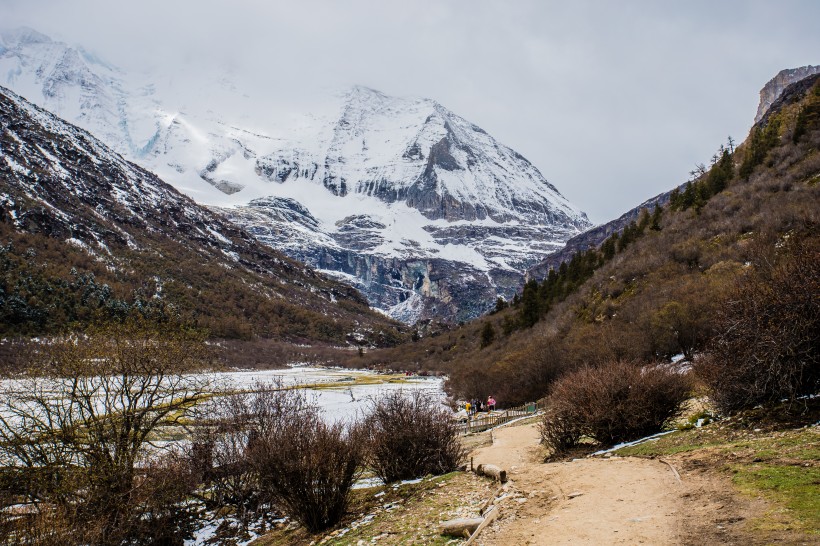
(424, 211)
(772, 90)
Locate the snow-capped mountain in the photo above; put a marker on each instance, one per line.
(61, 185)
(419, 208)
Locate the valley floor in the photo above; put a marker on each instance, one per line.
(726, 483)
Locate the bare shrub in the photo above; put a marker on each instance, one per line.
(617, 401)
(410, 436)
(165, 484)
(767, 347)
(226, 430)
(307, 466)
(77, 440)
(560, 427)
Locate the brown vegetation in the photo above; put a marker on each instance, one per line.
(767, 347)
(611, 403)
(409, 436)
(660, 295)
(307, 467)
(75, 443)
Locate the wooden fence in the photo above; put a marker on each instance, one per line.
(481, 421)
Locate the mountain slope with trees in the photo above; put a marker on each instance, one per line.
(654, 289)
(86, 235)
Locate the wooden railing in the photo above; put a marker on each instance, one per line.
(484, 421)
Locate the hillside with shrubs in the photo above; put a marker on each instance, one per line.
(726, 275)
(86, 237)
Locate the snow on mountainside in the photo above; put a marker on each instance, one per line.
(419, 208)
(60, 184)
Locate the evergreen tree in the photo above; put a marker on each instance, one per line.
(655, 224)
(675, 199)
(643, 220)
(609, 246)
(530, 312)
(487, 334)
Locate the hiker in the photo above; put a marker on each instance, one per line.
(467, 407)
(490, 403)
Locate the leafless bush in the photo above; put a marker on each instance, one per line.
(410, 436)
(75, 433)
(560, 427)
(226, 429)
(614, 402)
(165, 484)
(307, 466)
(767, 347)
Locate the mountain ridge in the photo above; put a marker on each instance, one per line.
(64, 191)
(404, 184)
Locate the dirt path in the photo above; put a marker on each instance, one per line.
(606, 500)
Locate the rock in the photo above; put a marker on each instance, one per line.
(772, 90)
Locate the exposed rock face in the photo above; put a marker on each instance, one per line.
(428, 215)
(772, 90)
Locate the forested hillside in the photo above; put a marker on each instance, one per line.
(86, 236)
(657, 288)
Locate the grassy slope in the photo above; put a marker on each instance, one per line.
(763, 455)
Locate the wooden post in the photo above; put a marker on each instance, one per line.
(488, 519)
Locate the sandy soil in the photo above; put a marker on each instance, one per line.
(608, 500)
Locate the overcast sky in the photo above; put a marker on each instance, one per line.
(613, 101)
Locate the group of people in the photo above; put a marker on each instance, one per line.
(476, 405)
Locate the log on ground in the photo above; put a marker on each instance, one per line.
(492, 471)
(460, 527)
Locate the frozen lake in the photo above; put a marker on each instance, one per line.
(342, 394)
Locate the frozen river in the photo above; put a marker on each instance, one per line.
(342, 394)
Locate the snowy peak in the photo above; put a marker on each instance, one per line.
(417, 152)
(64, 80)
(14, 38)
(398, 196)
(59, 182)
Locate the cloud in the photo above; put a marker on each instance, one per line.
(613, 102)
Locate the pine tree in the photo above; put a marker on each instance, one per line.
(487, 334)
(610, 246)
(655, 224)
(530, 312)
